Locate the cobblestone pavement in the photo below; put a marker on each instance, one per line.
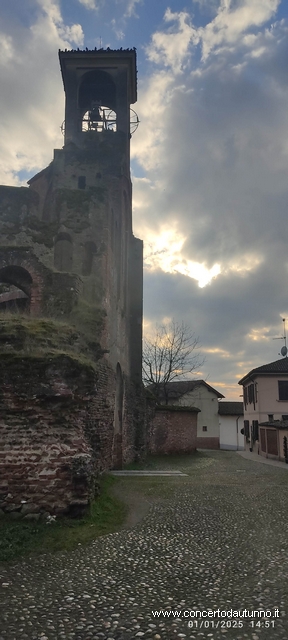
(216, 539)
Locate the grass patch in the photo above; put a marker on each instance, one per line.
(20, 538)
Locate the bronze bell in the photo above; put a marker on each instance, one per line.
(94, 114)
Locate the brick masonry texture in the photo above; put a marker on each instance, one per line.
(71, 396)
(208, 443)
(172, 432)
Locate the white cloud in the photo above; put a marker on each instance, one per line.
(131, 8)
(233, 21)
(32, 99)
(51, 25)
(128, 11)
(119, 33)
(152, 108)
(6, 47)
(213, 205)
(172, 48)
(89, 4)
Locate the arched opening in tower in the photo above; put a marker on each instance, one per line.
(99, 118)
(97, 102)
(15, 289)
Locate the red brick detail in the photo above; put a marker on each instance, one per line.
(39, 445)
(208, 443)
(172, 432)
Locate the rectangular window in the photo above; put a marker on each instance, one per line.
(246, 429)
(204, 428)
(270, 417)
(283, 389)
(285, 416)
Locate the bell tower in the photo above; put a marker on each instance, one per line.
(100, 86)
(69, 258)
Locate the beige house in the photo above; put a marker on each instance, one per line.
(265, 395)
(199, 394)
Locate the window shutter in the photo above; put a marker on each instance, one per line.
(246, 428)
(255, 435)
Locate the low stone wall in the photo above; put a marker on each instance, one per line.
(173, 430)
(208, 443)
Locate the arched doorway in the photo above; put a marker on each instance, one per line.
(118, 419)
(15, 289)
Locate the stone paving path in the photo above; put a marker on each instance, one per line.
(216, 539)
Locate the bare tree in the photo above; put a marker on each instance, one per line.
(172, 353)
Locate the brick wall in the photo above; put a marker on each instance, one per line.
(56, 431)
(208, 443)
(50, 435)
(173, 431)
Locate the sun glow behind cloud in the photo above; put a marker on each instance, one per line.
(163, 251)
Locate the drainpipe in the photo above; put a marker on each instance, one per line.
(237, 432)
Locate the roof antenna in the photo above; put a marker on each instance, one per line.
(284, 349)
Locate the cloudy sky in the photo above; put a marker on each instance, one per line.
(209, 160)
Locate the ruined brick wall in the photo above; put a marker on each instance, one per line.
(134, 435)
(44, 403)
(57, 414)
(173, 431)
(48, 293)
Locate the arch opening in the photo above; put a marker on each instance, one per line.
(96, 86)
(15, 289)
(99, 118)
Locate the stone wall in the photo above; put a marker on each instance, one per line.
(173, 430)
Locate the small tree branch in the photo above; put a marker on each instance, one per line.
(173, 353)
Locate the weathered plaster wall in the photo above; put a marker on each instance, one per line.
(207, 402)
